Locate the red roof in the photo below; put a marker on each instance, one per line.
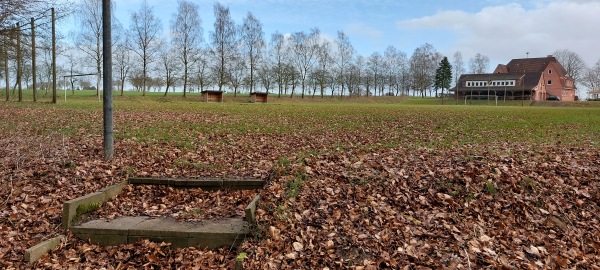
(527, 65)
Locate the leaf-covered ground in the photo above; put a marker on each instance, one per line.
(360, 186)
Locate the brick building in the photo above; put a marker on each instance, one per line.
(530, 78)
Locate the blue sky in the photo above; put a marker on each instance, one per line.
(500, 29)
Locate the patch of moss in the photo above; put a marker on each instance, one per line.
(86, 208)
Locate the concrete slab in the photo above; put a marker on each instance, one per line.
(160, 227)
(176, 242)
(118, 226)
(219, 228)
(211, 234)
(32, 254)
(251, 210)
(70, 207)
(103, 239)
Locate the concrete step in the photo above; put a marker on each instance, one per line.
(205, 234)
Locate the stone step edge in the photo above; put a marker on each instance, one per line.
(75, 208)
(206, 183)
(124, 230)
(34, 253)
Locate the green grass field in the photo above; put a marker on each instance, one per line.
(413, 121)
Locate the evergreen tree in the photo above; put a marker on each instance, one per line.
(443, 75)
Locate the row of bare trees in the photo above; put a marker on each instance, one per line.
(236, 57)
(239, 58)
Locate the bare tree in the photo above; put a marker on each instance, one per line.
(423, 64)
(169, 66)
(375, 71)
(223, 39)
(12, 11)
(355, 76)
(253, 39)
(266, 74)
(458, 64)
(290, 78)
(572, 62)
(186, 36)
(45, 72)
(145, 30)
(236, 71)
(121, 55)
(72, 68)
(591, 77)
(305, 50)
(396, 64)
(89, 37)
(137, 80)
(201, 69)
(324, 61)
(345, 51)
(277, 53)
(479, 64)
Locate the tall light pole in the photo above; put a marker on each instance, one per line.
(107, 106)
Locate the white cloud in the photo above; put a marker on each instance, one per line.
(508, 31)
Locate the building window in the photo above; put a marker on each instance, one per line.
(549, 71)
(549, 82)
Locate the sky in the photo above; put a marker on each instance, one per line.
(500, 29)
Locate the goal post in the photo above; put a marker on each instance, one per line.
(481, 97)
(71, 77)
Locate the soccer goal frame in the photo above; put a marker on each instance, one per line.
(74, 76)
(481, 97)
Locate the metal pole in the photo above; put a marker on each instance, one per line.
(6, 73)
(107, 80)
(53, 57)
(523, 93)
(33, 69)
(19, 66)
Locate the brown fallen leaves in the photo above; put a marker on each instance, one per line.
(337, 197)
(182, 204)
